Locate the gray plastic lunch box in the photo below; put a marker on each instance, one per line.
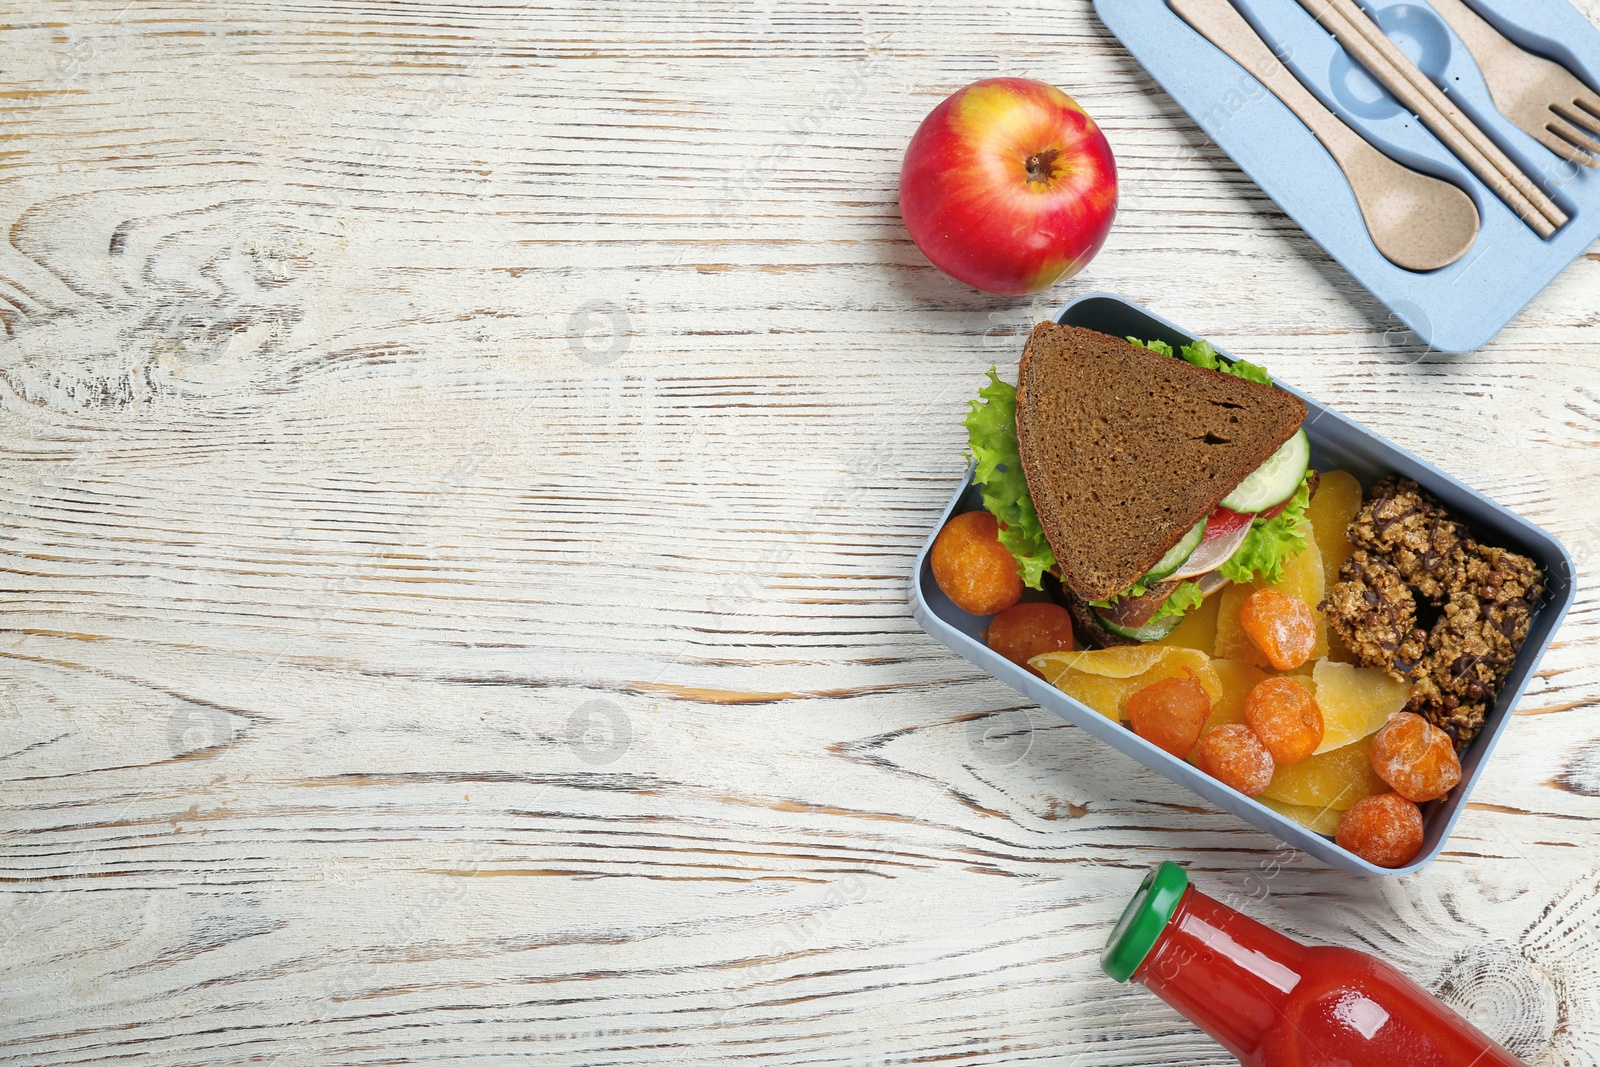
(1336, 443)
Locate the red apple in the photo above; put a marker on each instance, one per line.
(1008, 186)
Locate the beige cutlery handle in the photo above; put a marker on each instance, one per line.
(1482, 39)
(1368, 44)
(1219, 22)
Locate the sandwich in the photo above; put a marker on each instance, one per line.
(1143, 478)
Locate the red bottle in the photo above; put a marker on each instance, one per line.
(1274, 1002)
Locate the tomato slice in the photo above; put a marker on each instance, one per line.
(1225, 522)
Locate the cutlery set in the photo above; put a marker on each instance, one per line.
(1364, 39)
(1455, 126)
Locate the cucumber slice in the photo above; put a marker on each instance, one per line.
(1178, 554)
(1275, 480)
(1154, 630)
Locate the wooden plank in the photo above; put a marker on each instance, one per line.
(461, 468)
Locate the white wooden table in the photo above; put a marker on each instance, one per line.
(461, 467)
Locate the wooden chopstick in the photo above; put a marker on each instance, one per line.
(1371, 47)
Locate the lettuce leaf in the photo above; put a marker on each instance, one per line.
(992, 438)
(1271, 543)
(1201, 354)
(1183, 598)
(1160, 347)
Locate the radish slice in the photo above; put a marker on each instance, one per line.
(1212, 554)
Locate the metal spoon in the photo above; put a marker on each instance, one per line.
(1417, 222)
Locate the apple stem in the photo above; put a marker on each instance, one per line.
(1041, 166)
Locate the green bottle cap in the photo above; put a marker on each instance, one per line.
(1146, 915)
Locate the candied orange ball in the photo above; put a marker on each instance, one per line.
(1234, 756)
(1024, 631)
(1415, 757)
(1385, 830)
(1282, 626)
(972, 567)
(1170, 713)
(1282, 714)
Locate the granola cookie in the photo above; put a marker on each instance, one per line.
(1375, 613)
(1410, 551)
(1412, 531)
(1468, 657)
(1501, 578)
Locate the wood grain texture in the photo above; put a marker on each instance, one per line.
(461, 464)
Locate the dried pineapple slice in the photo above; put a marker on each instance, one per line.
(1318, 820)
(1232, 642)
(1355, 701)
(1333, 506)
(1198, 630)
(1235, 679)
(1335, 779)
(1104, 679)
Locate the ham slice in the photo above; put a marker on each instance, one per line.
(1134, 612)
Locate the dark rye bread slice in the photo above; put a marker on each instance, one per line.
(1088, 627)
(1125, 449)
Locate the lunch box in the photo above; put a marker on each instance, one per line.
(1459, 307)
(1336, 443)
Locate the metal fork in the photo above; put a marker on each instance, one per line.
(1541, 98)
